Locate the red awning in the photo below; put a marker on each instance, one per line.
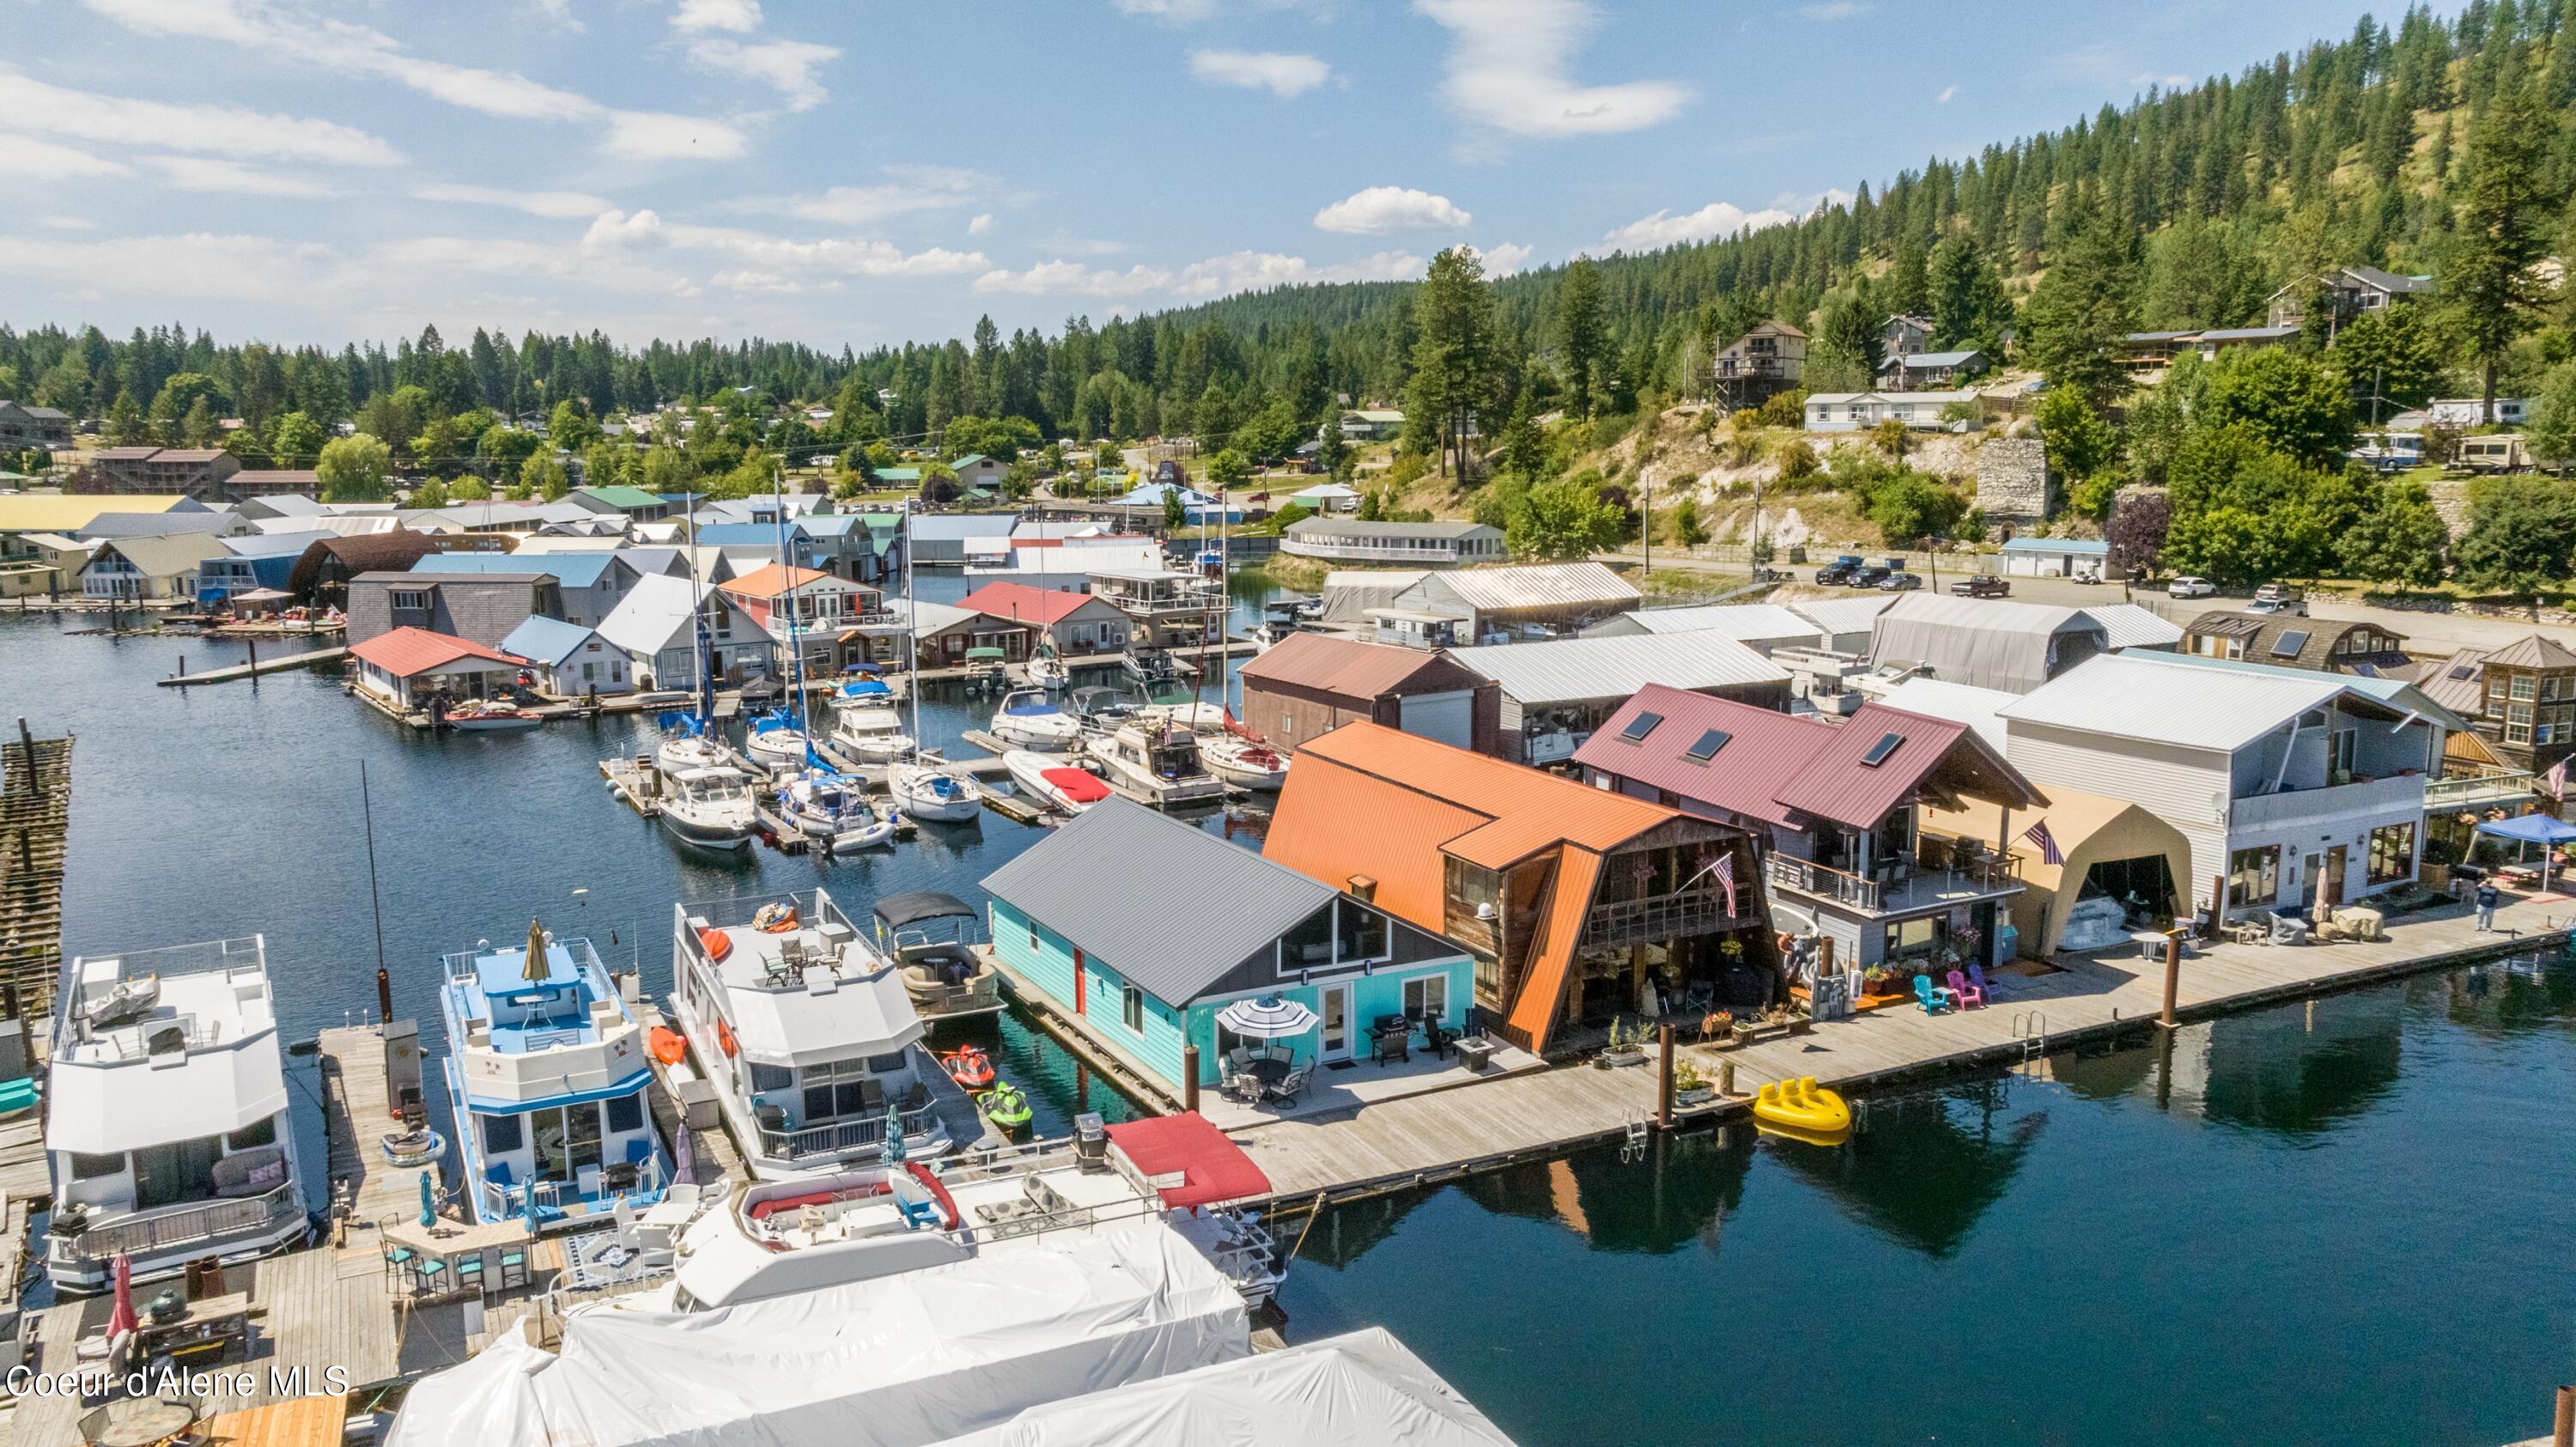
(1212, 1168)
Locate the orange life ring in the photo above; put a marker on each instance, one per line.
(724, 1038)
(666, 1045)
(716, 943)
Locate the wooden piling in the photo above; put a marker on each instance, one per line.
(1664, 1080)
(1190, 1077)
(2562, 1432)
(2173, 976)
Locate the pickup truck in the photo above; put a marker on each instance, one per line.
(1838, 571)
(1868, 575)
(1982, 588)
(2279, 598)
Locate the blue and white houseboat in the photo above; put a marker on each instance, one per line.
(548, 1068)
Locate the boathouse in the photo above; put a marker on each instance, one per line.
(1014, 616)
(570, 660)
(406, 666)
(1571, 901)
(1139, 928)
(1758, 626)
(1556, 693)
(1309, 684)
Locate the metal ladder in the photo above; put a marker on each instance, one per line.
(2030, 1028)
(1632, 1147)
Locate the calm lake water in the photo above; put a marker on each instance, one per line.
(2354, 1225)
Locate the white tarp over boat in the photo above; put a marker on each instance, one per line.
(895, 1362)
(1357, 1390)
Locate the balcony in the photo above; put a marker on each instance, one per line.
(1915, 887)
(208, 1222)
(2496, 786)
(2334, 801)
(1660, 917)
(1347, 551)
(816, 1141)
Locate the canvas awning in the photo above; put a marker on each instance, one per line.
(914, 906)
(1210, 1167)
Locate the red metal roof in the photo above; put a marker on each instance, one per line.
(1837, 785)
(1021, 603)
(771, 579)
(1354, 669)
(1212, 1167)
(408, 651)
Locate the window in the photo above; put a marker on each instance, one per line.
(1427, 998)
(1705, 747)
(1131, 1008)
(86, 1167)
(2517, 724)
(502, 1135)
(1640, 726)
(410, 600)
(765, 1078)
(2525, 687)
(252, 1136)
(888, 1064)
(625, 1113)
(838, 1089)
(2392, 853)
(2253, 876)
(1878, 752)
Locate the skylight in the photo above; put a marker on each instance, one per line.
(1707, 746)
(1879, 751)
(1640, 726)
(2289, 644)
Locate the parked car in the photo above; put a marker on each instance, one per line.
(1982, 588)
(1900, 581)
(2191, 587)
(1838, 571)
(1868, 575)
(2279, 598)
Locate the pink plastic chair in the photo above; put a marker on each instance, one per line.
(1965, 993)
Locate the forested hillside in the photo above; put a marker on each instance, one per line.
(2184, 209)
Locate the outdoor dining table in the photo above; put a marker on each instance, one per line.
(1269, 1070)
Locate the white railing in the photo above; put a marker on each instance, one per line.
(1335, 548)
(182, 1225)
(2486, 788)
(838, 1136)
(510, 1203)
(2363, 796)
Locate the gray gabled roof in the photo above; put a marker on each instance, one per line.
(1113, 882)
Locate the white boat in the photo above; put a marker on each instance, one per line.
(1244, 763)
(1156, 763)
(863, 693)
(808, 1037)
(1048, 670)
(680, 753)
(770, 1240)
(872, 734)
(1054, 780)
(834, 809)
(1028, 719)
(710, 808)
(167, 1120)
(498, 715)
(775, 742)
(945, 973)
(547, 1071)
(1149, 664)
(931, 790)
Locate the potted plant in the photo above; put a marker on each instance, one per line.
(1627, 1047)
(1689, 1086)
(1801, 1020)
(1746, 1030)
(1720, 1029)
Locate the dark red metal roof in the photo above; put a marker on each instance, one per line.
(1211, 1167)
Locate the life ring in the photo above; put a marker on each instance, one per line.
(716, 943)
(725, 1040)
(666, 1045)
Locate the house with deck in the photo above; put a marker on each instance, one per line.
(570, 660)
(1566, 898)
(2287, 640)
(656, 625)
(1769, 359)
(408, 667)
(2346, 291)
(804, 607)
(160, 568)
(1344, 539)
(1086, 921)
(1014, 617)
(1838, 808)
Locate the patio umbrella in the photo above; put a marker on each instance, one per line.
(536, 968)
(2537, 829)
(1267, 1018)
(428, 1201)
(528, 1202)
(892, 1154)
(684, 1158)
(121, 1318)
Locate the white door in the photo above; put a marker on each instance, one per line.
(1449, 717)
(1335, 1032)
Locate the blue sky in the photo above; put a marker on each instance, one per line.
(865, 171)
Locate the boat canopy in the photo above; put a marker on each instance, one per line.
(914, 906)
(1190, 1161)
(984, 655)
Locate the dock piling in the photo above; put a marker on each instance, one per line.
(2173, 975)
(2562, 1432)
(27, 742)
(1190, 1078)
(1664, 1084)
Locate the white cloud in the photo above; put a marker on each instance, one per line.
(982, 223)
(1216, 276)
(1381, 209)
(1836, 10)
(68, 223)
(557, 205)
(912, 188)
(193, 266)
(1072, 278)
(616, 231)
(786, 65)
(1281, 75)
(1179, 12)
(1717, 218)
(34, 160)
(739, 16)
(200, 129)
(559, 13)
(1504, 258)
(200, 173)
(336, 45)
(1948, 94)
(1506, 69)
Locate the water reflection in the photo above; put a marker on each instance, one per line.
(1927, 1165)
(1677, 1195)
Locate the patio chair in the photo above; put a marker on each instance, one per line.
(1287, 1090)
(1930, 996)
(428, 1273)
(1965, 993)
(469, 1273)
(1238, 1060)
(1985, 988)
(397, 1258)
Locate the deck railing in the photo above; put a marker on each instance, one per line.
(838, 1136)
(510, 1203)
(1659, 917)
(2484, 788)
(983, 993)
(183, 1225)
(1336, 548)
(1982, 876)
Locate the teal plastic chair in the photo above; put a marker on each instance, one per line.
(514, 1268)
(469, 1272)
(430, 1270)
(1930, 996)
(17, 1095)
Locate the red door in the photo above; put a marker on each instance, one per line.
(1078, 989)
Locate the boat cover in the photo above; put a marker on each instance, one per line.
(914, 906)
(1080, 785)
(1356, 1390)
(1189, 1160)
(901, 1361)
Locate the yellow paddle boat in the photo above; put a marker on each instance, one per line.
(1803, 1106)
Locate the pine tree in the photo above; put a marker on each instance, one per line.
(2084, 305)
(1582, 336)
(2506, 216)
(1453, 351)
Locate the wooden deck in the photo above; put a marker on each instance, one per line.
(35, 839)
(1430, 1138)
(254, 668)
(355, 1111)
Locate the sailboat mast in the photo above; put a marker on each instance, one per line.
(795, 644)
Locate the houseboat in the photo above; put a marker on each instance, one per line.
(547, 1068)
(807, 1034)
(928, 934)
(166, 1121)
(1155, 763)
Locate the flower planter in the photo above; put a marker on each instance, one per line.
(1747, 1034)
(1694, 1095)
(1625, 1055)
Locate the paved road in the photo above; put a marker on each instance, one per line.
(2426, 634)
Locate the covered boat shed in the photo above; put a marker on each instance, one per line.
(1986, 642)
(2118, 866)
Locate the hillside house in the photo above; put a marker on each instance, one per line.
(2347, 291)
(1769, 359)
(25, 426)
(1904, 334)
(1919, 371)
(1861, 411)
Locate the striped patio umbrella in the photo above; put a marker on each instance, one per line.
(1267, 1018)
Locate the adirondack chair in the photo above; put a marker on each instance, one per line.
(1930, 996)
(1965, 993)
(1985, 988)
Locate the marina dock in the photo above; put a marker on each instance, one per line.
(254, 667)
(1425, 1139)
(35, 840)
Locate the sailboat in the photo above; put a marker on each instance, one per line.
(688, 740)
(923, 786)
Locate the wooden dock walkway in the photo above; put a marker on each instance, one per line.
(35, 840)
(254, 668)
(1425, 1139)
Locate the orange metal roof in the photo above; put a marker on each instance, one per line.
(408, 651)
(771, 579)
(1551, 956)
(1310, 832)
(1593, 818)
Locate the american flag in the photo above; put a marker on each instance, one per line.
(2558, 780)
(2046, 842)
(1726, 878)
